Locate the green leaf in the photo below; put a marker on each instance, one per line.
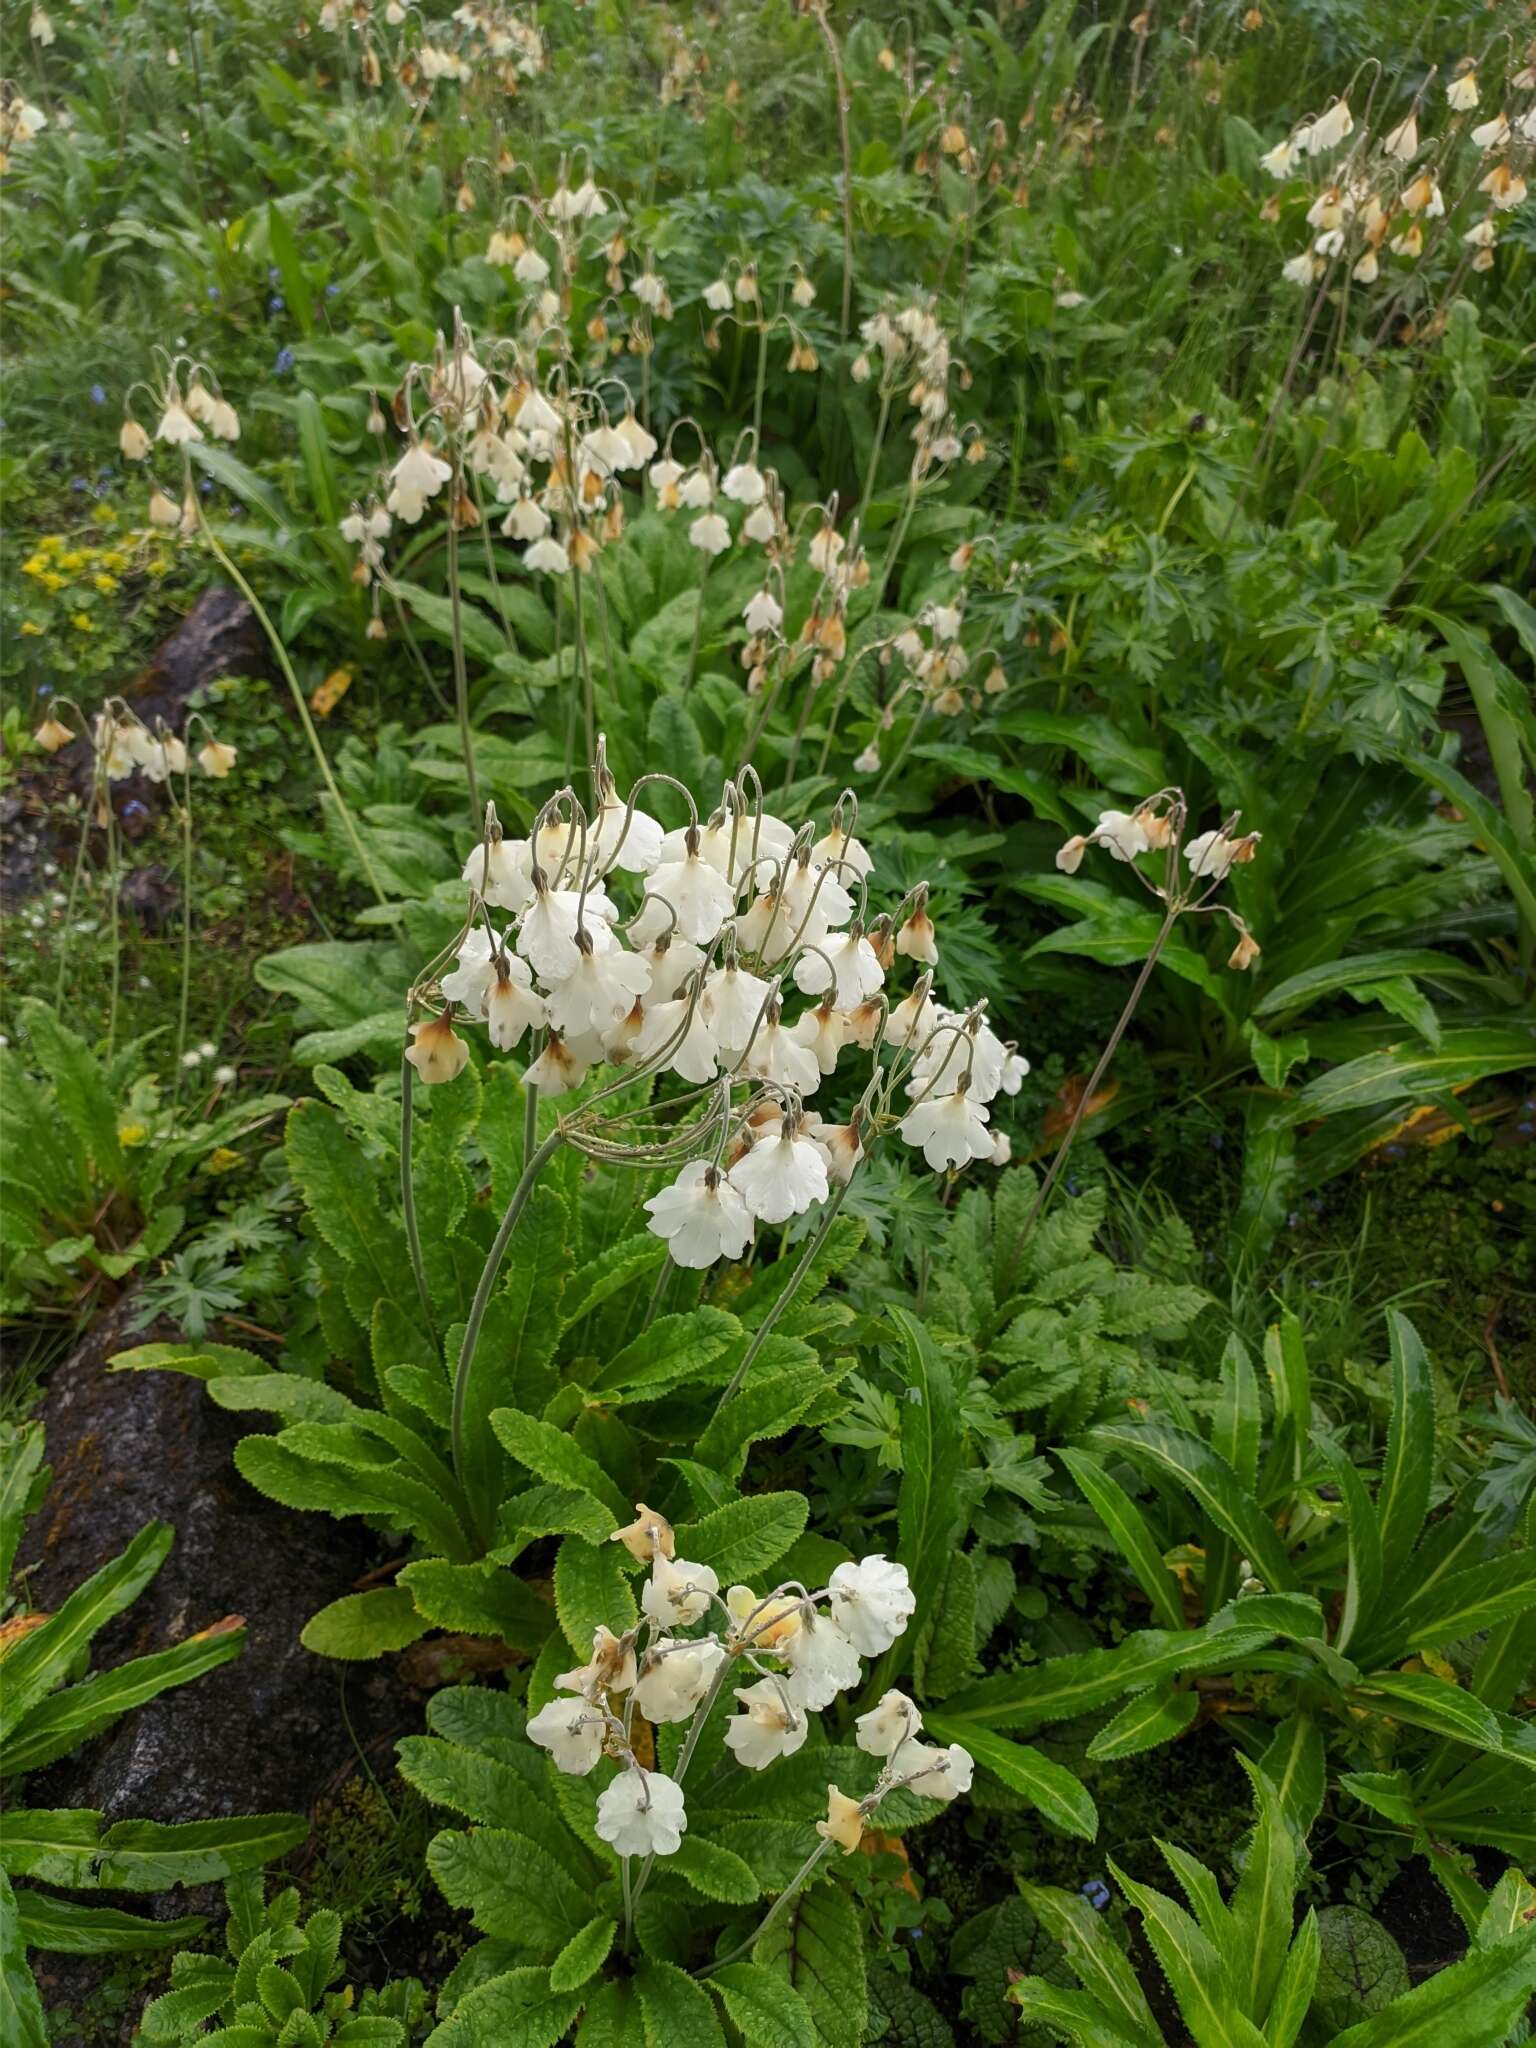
(80, 1084)
(21, 2009)
(512, 1886)
(944, 1655)
(552, 1454)
(927, 1509)
(45, 1655)
(1402, 1499)
(718, 1873)
(1296, 1765)
(362, 1625)
(513, 1364)
(1063, 1687)
(67, 1718)
(1060, 1796)
(517, 2010)
(68, 1928)
(285, 257)
(337, 1182)
(762, 2005)
(674, 1349)
(677, 2010)
(1151, 1718)
(19, 1469)
(1212, 1484)
(1198, 1975)
(1074, 2014)
(1415, 1073)
(1424, 1701)
(785, 1379)
(1293, 1993)
(1264, 1903)
(746, 1536)
(816, 1947)
(583, 1955)
(1127, 1525)
(1099, 1963)
(1360, 1970)
(66, 1846)
(477, 1600)
(591, 1591)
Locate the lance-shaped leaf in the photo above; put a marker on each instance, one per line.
(46, 1654)
(67, 1718)
(1057, 1792)
(1212, 1484)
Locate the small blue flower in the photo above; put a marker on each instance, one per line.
(45, 689)
(277, 303)
(213, 293)
(98, 394)
(79, 483)
(331, 290)
(273, 274)
(205, 485)
(1096, 1892)
(284, 363)
(134, 809)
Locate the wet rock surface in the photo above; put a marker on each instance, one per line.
(264, 1732)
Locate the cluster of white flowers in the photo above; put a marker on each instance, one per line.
(800, 1650)
(124, 743)
(19, 119)
(182, 415)
(736, 911)
(1379, 199)
(908, 350)
(1157, 827)
(489, 41)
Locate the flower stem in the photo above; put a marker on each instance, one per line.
(186, 927)
(460, 664)
(274, 640)
(875, 448)
(821, 1849)
(761, 1334)
(478, 1306)
(408, 1195)
(698, 628)
(1091, 1088)
(114, 890)
(845, 145)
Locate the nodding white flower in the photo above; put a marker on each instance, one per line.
(546, 930)
(695, 1055)
(1015, 1068)
(216, 759)
(843, 1148)
(935, 1773)
(770, 1727)
(949, 1055)
(780, 1177)
(1211, 853)
(733, 1002)
(571, 1732)
(843, 963)
(775, 1055)
(558, 1069)
(1330, 129)
(437, 1053)
(1123, 834)
(883, 1730)
(745, 483)
(1367, 269)
(163, 510)
(913, 1019)
(1525, 124)
(223, 420)
(549, 554)
(416, 477)
(951, 1129)
(622, 838)
(802, 291)
(1481, 236)
(1461, 93)
(836, 847)
(710, 533)
(641, 1814)
(945, 621)
(650, 288)
(674, 1677)
(511, 1005)
(677, 1592)
(671, 961)
(763, 612)
(665, 475)
(602, 987)
(1302, 269)
(639, 446)
(645, 1535)
(844, 1823)
(822, 1662)
(701, 1216)
(717, 296)
(501, 870)
(52, 734)
(527, 520)
(1280, 160)
(1506, 188)
(40, 28)
(815, 893)
(1330, 243)
(133, 441)
(1245, 952)
(917, 939)
(823, 1031)
(361, 527)
(1403, 142)
(697, 891)
(530, 267)
(760, 524)
(696, 492)
(177, 425)
(872, 1603)
(826, 545)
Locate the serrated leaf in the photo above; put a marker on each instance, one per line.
(744, 1537)
(677, 2009)
(362, 1625)
(718, 1873)
(591, 1591)
(817, 1948)
(516, 2010)
(1060, 1796)
(583, 1955)
(1150, 1719)
(762, 2005)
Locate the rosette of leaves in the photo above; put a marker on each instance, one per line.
(1243, 1975)
(98, 1163)
(1377, 1648)
(276, 1987)
(51, 1703)
(590, 1392)
(543, 1891)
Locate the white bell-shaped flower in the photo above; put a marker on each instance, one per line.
(733, 1002)
(641, 1814)
(177, 426)
(511, 1005)
(843, 965)
(822, 1031)
(837, 846)
(1122, 833)
(698, 892)
(710, 534)
(640, 445)
(601, 989)
(671, 960)
(780, 1177)
(695, 1054)
(701, 1216)
(760, 524)
(675, 1676)
(951, 1129)
(770, 1727)
(526, 521)
(416, 477)
(535, 415)
(625, 839)
(744, 483)
(501, 870)
(469, 981)
(571, 1732)
(1210, 853)
(548, 555)
(437, 1052)
(546, 930)
(934, 1773)
(762, 612)
(717, 295)
(558, 1069)
(775, 1055)
(871, 1603)
(883, 1730)
(822, 1662)
(677, 1592)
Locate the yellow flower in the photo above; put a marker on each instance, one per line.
(31, 630)
(106, 515)
(221, 1159)
(114, 559)
(158, 566)
(35, 565)
(82, 622)
(105, 584)
(52, 543)
(75, 559)
(132, 1134)
(52, 580)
